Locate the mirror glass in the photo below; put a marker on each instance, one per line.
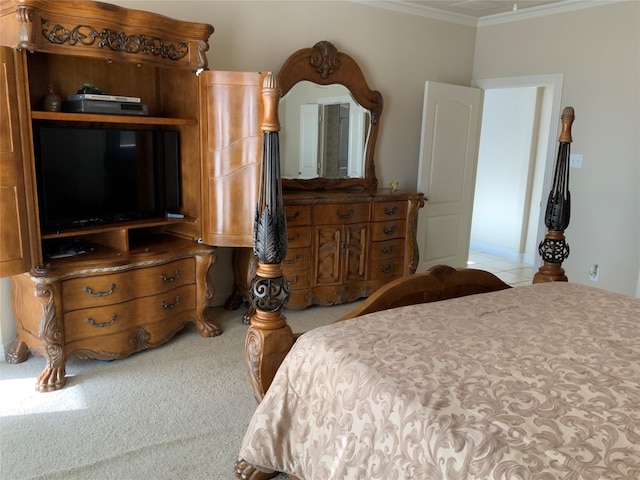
(324, 132)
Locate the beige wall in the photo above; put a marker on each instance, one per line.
(598, 51)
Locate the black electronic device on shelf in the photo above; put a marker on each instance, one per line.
(94, 176)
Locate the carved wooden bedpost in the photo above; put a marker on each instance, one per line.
(269, 338)
(554, 249)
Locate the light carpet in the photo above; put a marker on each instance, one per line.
(175, 412)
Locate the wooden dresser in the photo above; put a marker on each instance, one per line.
(343, 246)
(346, 237)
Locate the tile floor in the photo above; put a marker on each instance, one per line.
(513, 273)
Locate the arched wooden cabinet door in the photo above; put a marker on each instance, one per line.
(17, 222)
(230, 116)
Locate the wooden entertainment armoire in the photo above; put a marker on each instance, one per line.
(136, 283)
(142, 280)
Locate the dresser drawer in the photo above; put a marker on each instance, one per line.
(387, 249)
(110, 319)
(340, 213)
(298, 237)
(298, 215)
(387, 230)
(298, 278)
(113, 288)
(389, 211)
(386, 269)
(297, 258)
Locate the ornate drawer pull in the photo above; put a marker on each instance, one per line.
(349, 214)
(390, 211)
(389, 250)
(93, 323)
(170, 306)
(292, 260)
(294, 280)
(387, 268)
(295, 215)
(294, 238)
(389, 230)
(90, 291)
(165, 279)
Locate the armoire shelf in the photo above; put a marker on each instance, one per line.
(101, 118)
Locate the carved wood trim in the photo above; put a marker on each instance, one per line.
(324, 64)
(100, 30)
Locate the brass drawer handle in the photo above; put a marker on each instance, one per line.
(390, 211)
(170, 306)
(295, 215)
(294, 238)
(349, 214)
(292, 260)
(389, 230)
(165, 279)
(389, 250)
(94, 324)
(387, 268)
(90, 291)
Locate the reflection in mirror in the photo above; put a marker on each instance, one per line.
(324, 132)
(339, 80)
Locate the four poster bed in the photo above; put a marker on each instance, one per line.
(449, 374)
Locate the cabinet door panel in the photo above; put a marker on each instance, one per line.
(327, 250)
(15, 245)
(355, 252)
(231, 113)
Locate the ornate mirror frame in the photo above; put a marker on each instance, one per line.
(323, 64)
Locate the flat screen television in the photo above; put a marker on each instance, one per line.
(92, 176)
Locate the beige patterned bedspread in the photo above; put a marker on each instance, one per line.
(537, 382)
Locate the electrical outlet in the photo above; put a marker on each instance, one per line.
(594, 272)
(575, 160)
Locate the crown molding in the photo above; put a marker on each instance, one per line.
(543, 11)
(409, 8)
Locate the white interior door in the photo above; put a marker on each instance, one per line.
(308, 166)
(451, 121)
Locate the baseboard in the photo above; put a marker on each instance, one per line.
(638, 287)
(519, 257)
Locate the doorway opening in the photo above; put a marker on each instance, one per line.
(515, 167)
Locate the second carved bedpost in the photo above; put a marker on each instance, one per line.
(269, 338)
(554, 249)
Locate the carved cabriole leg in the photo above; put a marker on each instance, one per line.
(18, 352)
(204, 295)
(52, 337)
